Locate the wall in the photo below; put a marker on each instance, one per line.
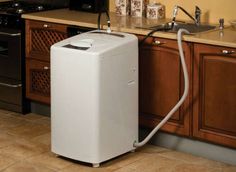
(212, 10)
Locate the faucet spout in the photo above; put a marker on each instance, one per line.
(108, 20)
(175, 12)
(197, 14)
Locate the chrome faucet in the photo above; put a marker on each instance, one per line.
(197, 14)
(108, 20)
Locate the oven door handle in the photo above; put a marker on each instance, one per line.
(10, 85)
(10, 34)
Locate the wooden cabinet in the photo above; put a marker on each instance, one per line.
(39, 38)
(214, 94)
(38, 80)
(161, 85)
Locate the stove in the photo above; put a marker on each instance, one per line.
(12, 50)
(11, 11)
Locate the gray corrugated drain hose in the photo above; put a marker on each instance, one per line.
(180, 102)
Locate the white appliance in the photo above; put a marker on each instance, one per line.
(94, 96)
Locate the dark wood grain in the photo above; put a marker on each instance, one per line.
(38, 80)
(39, 38)
(214, 109)
(161, 85)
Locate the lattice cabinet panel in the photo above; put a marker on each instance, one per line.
(38, 81)
(40, 36)
(42, 39)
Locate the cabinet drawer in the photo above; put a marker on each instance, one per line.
(161, 42)
(38, 81)
(40, 36)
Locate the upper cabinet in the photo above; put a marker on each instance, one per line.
(161, 84)
(214, 98)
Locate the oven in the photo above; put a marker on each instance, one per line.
(11, 63)
(10, 54)
(12, 50)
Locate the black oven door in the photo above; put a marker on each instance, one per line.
(10, 54)
(10, 70)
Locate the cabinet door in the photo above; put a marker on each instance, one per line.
(40, 36)
(214, 108)
(38, 81)
(161, 85)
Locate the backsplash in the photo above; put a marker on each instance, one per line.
(212, 10)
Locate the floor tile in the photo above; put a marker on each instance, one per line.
(10, 122)
(27, 167)
(29, 130)
(154, 163)
(125, 169)
(43, 139)
(188, 158)
(85, 168)
(195, 168)
(22, 149)
(49, 160)
(124, 160)
(229, 169)
(25, 116)
(5, 162)
(2, 111)
(152, 149)
(6, 140)
(44, 121)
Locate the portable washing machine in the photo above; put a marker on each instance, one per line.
(94, 96)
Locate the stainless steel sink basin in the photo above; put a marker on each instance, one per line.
(191, 27)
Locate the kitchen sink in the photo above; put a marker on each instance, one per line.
(191, 27)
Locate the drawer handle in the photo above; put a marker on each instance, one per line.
(10, 85)
(156, 42)
(46, 25)
(46, 68)
(228, 51)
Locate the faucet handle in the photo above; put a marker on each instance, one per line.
(197, 9)
(197, 14)
(221, 22)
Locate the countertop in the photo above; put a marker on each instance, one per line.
(227, 37)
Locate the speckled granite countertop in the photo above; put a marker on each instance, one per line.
(227, 37)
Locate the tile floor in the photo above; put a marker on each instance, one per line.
(25, 147)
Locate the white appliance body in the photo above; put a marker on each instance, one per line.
(94, 96)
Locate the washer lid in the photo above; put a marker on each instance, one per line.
(84, 43)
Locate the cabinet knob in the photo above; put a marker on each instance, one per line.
(228, 51)
(46, 25)
(156, 42)
(46, 68)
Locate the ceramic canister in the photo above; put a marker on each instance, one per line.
(122, 7)
(155, 11)
(137, 8)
